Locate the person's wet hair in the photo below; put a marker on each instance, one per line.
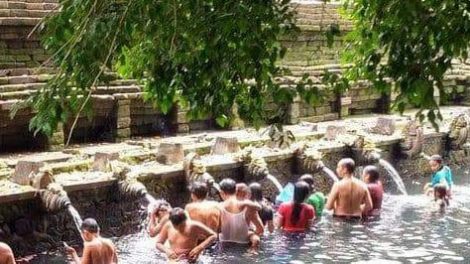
(228, 186)
(256, 192)
(349, 164)
(437, 158)
(177, 216)
(158, 205)
(301, 191)
(90, 225)
(199, 189)
(242, 188)
(373, 173)
(308, 178)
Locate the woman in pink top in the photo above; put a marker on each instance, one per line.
(296, 216)
(371, 176)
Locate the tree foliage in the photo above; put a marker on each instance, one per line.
(407, 46)
(207, 54)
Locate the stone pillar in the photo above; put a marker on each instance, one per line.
(293, 111)
(123, 119)
(345, 103)
(57, 139)
(181, 120)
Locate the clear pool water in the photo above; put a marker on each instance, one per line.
(410, 231)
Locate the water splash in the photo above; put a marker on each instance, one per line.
(275, 182)
(77, 219)
(330, 173)
(149, 198)
(394, 174)
(217, 187)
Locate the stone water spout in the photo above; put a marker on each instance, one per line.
(128, 183)
(55, 199)
(412, 146)
(311, 159)
(258, 168)
(367, 153)
(195, 171)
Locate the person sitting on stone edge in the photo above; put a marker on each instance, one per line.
(201, 209)
(316, 199)
(96, 250)
(187, 238)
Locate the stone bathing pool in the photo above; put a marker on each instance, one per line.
(408, 232)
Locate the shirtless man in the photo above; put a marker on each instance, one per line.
(6, 254)
(183, 236)
(237, 216)
(347, 195)
(96, 250)
(202, 210)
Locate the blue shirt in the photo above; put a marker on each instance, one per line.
(443, 174)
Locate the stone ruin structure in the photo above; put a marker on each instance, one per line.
(119, 111)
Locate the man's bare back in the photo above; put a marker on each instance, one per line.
(347, 196)
(206, 212)
(6, 255)
(99, 251)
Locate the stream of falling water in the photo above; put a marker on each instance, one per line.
(394, 174)
(77, 219)
(275, 182)
(330, 173)
(150, 199)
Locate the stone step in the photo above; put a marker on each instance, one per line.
(22, 79)
(26, 71)
(20, 87)
(17, 94)
(25, 13)
(19, 21)
(27, 6)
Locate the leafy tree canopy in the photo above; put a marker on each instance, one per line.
(208, 53)
(411, 43)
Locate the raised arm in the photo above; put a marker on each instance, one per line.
(155, 224)
(330, 204)
(250, 205)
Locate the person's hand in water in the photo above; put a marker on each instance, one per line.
(195, 252)
(171, 255)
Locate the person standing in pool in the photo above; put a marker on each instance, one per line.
(202, 210)
(237, 217)
(317, 199)
(159, 214)
(350, 196)
(266, 213)
(296, 216)
(442, 175)
(184, 237)
(371, 176)
(96, 250)
(6, 254)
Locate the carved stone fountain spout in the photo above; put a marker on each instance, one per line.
(412, 146)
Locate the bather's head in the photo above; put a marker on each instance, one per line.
(345, 167)
(89, 229)
(308, 178)
(199, 191)
(178, 218)
(435, 162)
(370, 174)
(228, 187)
(243, 192)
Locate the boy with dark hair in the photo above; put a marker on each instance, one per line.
(96, 249)
(371, 177)
(202, 210)
(184, 237)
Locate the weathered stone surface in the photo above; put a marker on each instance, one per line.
(102, 159)
(384, 126)
(24, 170)
(170, 153)
(225, 145)
(333, 131)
